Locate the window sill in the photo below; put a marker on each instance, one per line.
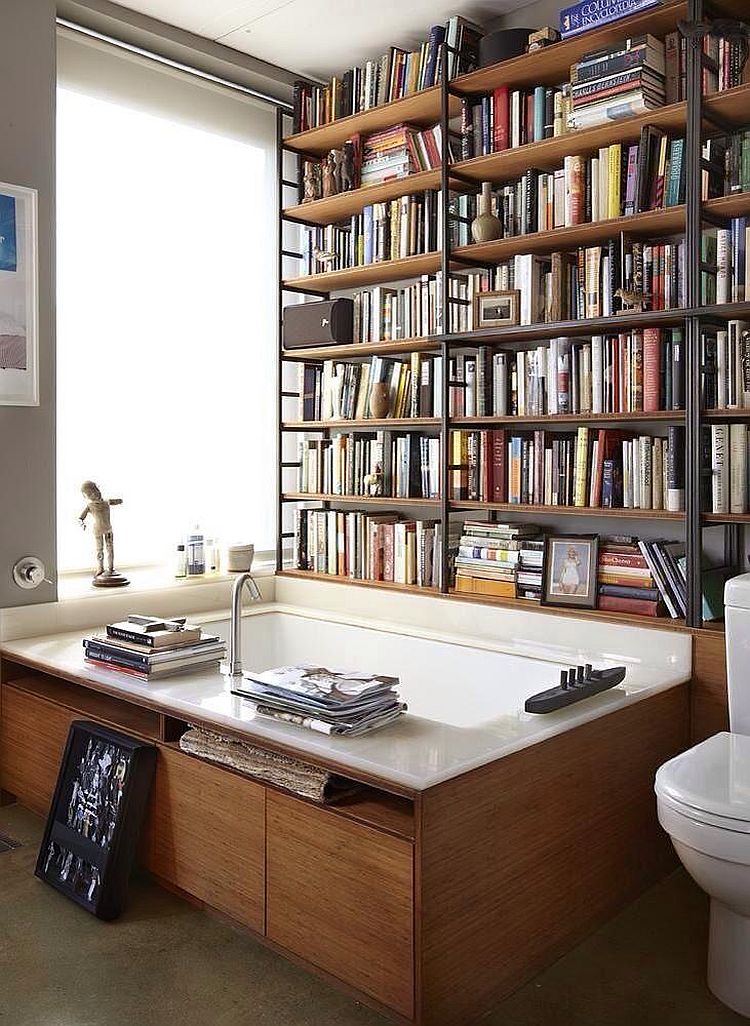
(146, 580)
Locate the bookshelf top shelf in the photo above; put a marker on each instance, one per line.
(581, 511)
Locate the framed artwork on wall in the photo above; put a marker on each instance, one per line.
(19, 336)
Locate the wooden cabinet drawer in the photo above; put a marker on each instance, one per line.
(340, 895)
(206, 835)
(32, 738)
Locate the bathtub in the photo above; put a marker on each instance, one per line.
(465, 693)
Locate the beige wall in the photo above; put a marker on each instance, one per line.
(27, 157)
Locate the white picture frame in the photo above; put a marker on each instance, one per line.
(19, 296)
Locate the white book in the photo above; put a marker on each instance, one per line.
(738, 468)
(521, 383)
(721, 369)
(723, 265)
(719, 468)
(636, 473)
(552, 376)
(645, 486)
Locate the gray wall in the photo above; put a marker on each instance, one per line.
(27, 157)
(543, 12)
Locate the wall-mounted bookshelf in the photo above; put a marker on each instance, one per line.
(697, 117)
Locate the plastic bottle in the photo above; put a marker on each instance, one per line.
(196, 552)
(210, 556)
(180, 566)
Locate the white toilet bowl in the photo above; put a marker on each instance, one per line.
(703, 798)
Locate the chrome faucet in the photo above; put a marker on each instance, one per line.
(232, 665)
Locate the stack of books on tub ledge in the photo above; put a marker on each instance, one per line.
(338, 702)
(148, 647)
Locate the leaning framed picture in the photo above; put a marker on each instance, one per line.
(570, 565)
(497, 309)
(19, 338)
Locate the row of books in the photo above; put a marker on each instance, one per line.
(505, 119)
(150, 648)
(395, 465)
(725, 451)
(722, 70)
(381, 231)
(619, 181)
(383, 314)
(335, 390)
(504, 560)
(368, 546)
(599, 469)
(395, 74)
(632, 372)
(725, 367)
(727, 249)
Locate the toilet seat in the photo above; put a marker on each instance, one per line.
(704, 797)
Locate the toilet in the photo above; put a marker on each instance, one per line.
(703, 799)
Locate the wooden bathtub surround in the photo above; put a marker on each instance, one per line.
(708, 691)
(428, 905)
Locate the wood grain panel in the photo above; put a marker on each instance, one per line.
(708, 691)
(525, 856)
(339, 895)
(206, 835)
(33, 732)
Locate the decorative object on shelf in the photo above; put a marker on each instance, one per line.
(311, 186)
(326, 257)
(19, 344)
(485, 227)
(100, 802)
(348, 179)
(542, 37)
(570, 570)
(380, 400)
(502, 45)
(329, 176)
(98, 509)
(497, 309)
(633, 301)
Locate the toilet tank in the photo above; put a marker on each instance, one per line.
(737, 615)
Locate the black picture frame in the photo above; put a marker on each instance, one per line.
(95, 819)
(561, 570)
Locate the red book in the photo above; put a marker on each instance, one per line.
(499, 470)
(651, 362)
(614, 604)
(500, 118)
(622, 559)
(388, 532)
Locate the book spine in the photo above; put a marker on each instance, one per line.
(139, 638)
(651, 370)
(616, 604)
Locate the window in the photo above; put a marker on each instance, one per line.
(166, 302)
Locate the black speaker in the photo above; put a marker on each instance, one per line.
(502, 45)
(325, 323)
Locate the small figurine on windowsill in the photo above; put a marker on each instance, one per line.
(98, 509)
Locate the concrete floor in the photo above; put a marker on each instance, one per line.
(166, 963)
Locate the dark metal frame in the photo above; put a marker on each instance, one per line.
(694, 318)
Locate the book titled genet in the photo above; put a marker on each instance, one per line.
(589, 14)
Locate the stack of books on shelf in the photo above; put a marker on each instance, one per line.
(619, 180)
(400, 151)
(625, 583)
(149, 648)
(619, 81)
(725, 367)
(344, 703)
(725, 451)
(389, 464)
(368, 546)
(605, 469)
(504, 560)
(632, 372)
(342, 391)
(382, 231)
(395, 74)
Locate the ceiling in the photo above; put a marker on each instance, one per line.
(318, 38)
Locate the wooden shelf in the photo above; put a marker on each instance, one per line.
(571, 329)
(422, 108)
(408, 423)
(344, 204)
(732, 414)
(376, 500)
(413, 589)
(491, 600)
(569, 418)
(581, 511)
(369, 274)
(726, 518)
(552, 63)
(363, 350)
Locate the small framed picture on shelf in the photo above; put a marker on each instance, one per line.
(497, 309)
(570, 564)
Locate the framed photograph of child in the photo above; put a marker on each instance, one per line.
(570, 564)
(497, 309)
(19, 347)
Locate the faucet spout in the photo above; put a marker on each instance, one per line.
(232, 665)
